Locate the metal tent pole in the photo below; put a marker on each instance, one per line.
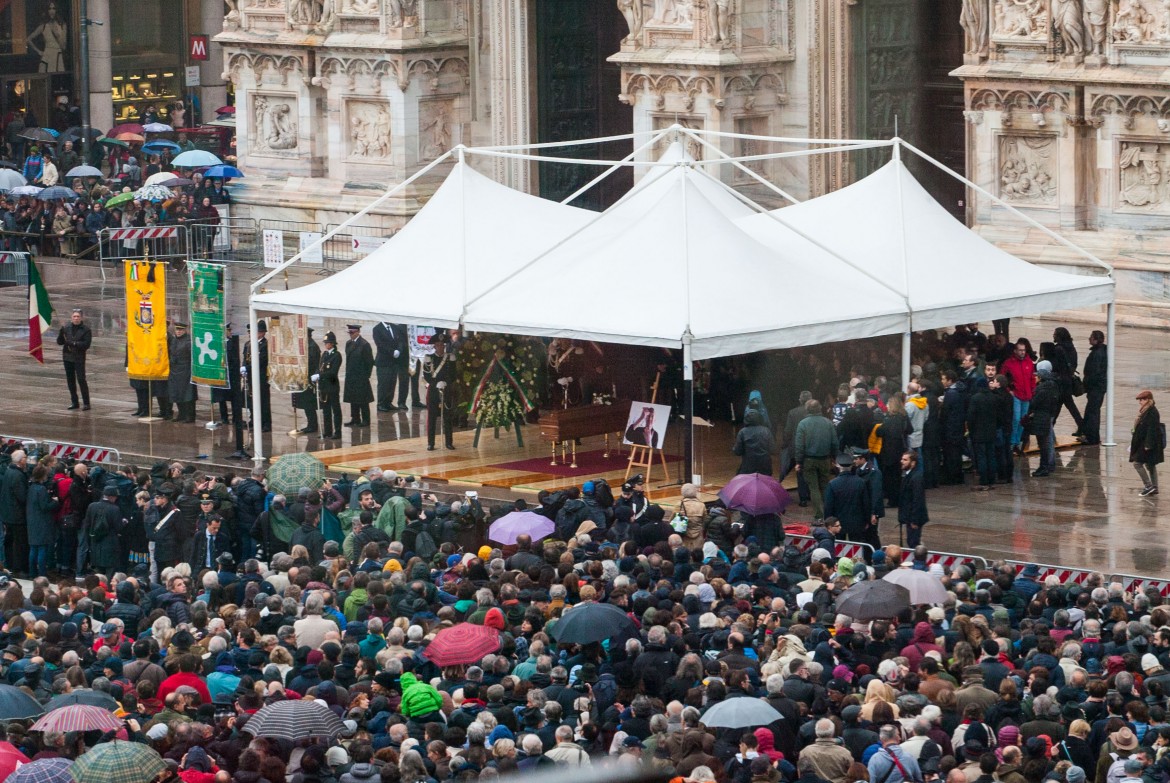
(1110, 357)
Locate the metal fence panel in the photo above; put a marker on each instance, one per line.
(232, 240)
(353, 244)
(162, 243)
(13, 268)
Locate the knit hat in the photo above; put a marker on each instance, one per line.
(819, 555)
(1074, 775)
(845, 567)
(1044, 368)
(706, 593)
(484, 553)
(1008, 735)
(1150, 661)
(336, 757)
(392, 565)
(587, 487)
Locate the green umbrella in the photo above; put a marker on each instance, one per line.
(293, 471)
(121, 198)
(118, 762)
(112, 142)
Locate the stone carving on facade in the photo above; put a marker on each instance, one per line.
(437, 126)
(1128, 107)
(672, 13)
(316, 15)
(973, 18)
(1026, 166)
(1023, 20)
(231, 21)
(274, 124)
(403, 13)
(362, 7)
(1141, 22)
(751, 126)
(1142, 170)
(719, 23)
(369, 130)
(1068, 19)
(1096, 25)
(693, 146)
(632, 11)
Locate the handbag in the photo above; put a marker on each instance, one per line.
(1078, 385)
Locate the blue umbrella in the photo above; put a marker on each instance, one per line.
(223, 170)
(56, 193)
(161, 145)
(195, 159)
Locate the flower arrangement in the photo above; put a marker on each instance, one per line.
(498, 405)
(603, 398)
(523, 356)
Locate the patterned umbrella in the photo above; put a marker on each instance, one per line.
(293, 471)
(195, 159)
(295, 720)
(82, 696)
(153, 193)
(118, 762)
(517, 523)
(78, 717)
(54, 770)
(755, 494)
(10, 759)
(121, 198)
(463, 643)
(15, 704)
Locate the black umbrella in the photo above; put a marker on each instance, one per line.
(6, 164)
(591, 623)
(873, 600)
(15, 704)
(74, 133)
(82, 696)
(39, 134)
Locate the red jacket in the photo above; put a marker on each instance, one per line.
(176, 681)
(1022, 373)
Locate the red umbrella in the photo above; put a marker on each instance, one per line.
(755, 493)
(463, 643)
(125, 127)
(10, 759)
(78, 717)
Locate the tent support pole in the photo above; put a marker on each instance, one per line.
(588, 185)
(688, 410)
(254, 380)
(905, 357)
(1110, 357)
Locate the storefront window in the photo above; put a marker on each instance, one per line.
(147, 46)
(36, 59)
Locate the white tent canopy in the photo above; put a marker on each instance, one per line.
(890, 226)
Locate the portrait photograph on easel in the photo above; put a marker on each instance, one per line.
(646, 425)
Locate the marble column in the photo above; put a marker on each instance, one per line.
(212, 87)
(511, 88)
(101, 103)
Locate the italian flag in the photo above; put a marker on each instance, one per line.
(40, 313)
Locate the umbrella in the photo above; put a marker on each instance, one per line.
(11, 179)
(295, 720)
(153, 193)
(461, 644)
(121, 198)
(226, 110)
(84, 171)
(160, 145)
(82, 696)
(56, 193)
(177, 182)
(588, 623)
(195, 158)
(740, 712)
(755, 493)
(11, 759)
(293, 471)
(924, 588)
(75, 134)
(156, 127)
(109, 142)
(7, 164)
(40, 134)
(26, 190)
(517, 523)
(54, 770)
(160, 178)
(125, 127)
(78, 717)
(126, 136)
(224, 170)
(873, 600)
(118, 762)
(15, 704)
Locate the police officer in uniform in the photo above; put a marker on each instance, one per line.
(329, 388)
(232, 393)
(307, 400)
(439, 373)
(359, 364)
(265, 390)
(180, 390)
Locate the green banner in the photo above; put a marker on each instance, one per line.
(206, 292)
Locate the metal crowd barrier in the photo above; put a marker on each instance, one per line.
(851, 549)
(948, 560)
(353, 244)
(13, 268)
(163, 243)
(1076, 575)
(1142, 583)
(82, 451)
(234, 240)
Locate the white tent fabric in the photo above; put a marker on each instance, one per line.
(721, 197)
(667, 259)
(948, 273)
(471, 225)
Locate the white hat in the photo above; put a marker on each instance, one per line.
(157, 732)
(820, 554)
(1150, 661)
(336, 756)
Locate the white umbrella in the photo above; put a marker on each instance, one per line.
(924, 588)
(10, 179)
(157, 127)
(159, 178)
(83, 171)
(740, 712)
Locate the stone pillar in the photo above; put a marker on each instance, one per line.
(511, 88)
(101, 104)
(212, 86)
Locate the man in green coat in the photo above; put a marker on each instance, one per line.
(420, 701)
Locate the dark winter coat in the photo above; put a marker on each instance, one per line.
(167, 545)
(849, 499)
(982, 416)
(103, 523)
(176, 606)
(894, 432)
(912, 500)
(754, 445)
(250, 495)
(359, 365)
(14, 496)
(954, 412)
(42, 527)
(179, 383)
(1045, 403)
(1096, 376)
(854, 429)
(309, 536)
(1145, 446)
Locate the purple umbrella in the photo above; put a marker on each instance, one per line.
(519, 523)
(755, 493)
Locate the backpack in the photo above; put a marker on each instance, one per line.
(1116, 772)
(603, 493)
(424, 545)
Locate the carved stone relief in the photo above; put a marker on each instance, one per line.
(318, 15)
(361, 7)
(751, 126)
(368, 129)
(693, 147)
(634, 14)
(1141, 22)
(673, 13)
(274, 123)
(438, 127)
(403, 13)
(1027, 169)
(1142, 171)
(1019, 20)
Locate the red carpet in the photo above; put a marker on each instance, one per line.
(588, 463)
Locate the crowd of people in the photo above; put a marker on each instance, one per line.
(199, 600)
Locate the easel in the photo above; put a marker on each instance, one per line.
(643, 456)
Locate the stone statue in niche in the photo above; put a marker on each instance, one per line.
(973, 18)
(719, 21)
(1068, 19)
(274, 128)
(233, 13)
(403, 13)
(434, 131)
(1142, 176)
(1025, 19)
(1025, 170)
(1096, 24)
(632, 11)
(364, 7)
(318, 14)
(369, 130)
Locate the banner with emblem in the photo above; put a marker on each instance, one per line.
(205, 292)
(146, 321)
(288, 353)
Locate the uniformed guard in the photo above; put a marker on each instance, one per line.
(359, 366)
(265, 389)
(329, 388)
(307, 400)
(439, 373)
(179, 387)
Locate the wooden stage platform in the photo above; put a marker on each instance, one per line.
(499, 468)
